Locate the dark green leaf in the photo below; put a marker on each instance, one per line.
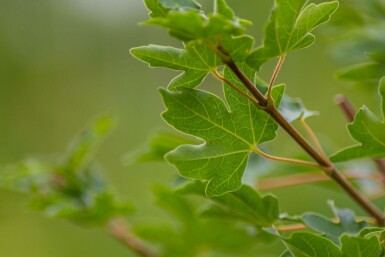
(229, 136)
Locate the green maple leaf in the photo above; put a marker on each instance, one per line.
(196, 61)
(289, 28)
(230, 133)
(369, 131)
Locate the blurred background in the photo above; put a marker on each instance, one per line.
(63, 63)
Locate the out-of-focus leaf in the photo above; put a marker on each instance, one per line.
(359, 247)
(158, 146)
(303, 244)
(245, 205)
(71, 186)
(193, 236)
(369, 131)
(85, 144)
(346, 223)
(362, 72)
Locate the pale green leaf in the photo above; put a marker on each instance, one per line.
(369, 131)
(289, 28)
(229, 133)
(293, 109)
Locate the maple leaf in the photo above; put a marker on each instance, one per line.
(230, 133)
(289, 28)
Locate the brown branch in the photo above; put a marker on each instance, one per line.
(350, 113)
(120, 230)
(326, 164)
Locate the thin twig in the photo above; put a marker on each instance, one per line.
(306, 178)
(313, 137)
(350, 113)
(283, 159)
(120, 230)
(289, 228)
(275, 75)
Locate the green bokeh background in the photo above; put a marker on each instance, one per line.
(63, 63)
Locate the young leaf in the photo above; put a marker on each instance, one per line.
(293, 109)
(191, 25)
(369, 131)
(229, 136)
(245, 205)
(289, 28)
(358, 246)
(304, 244)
